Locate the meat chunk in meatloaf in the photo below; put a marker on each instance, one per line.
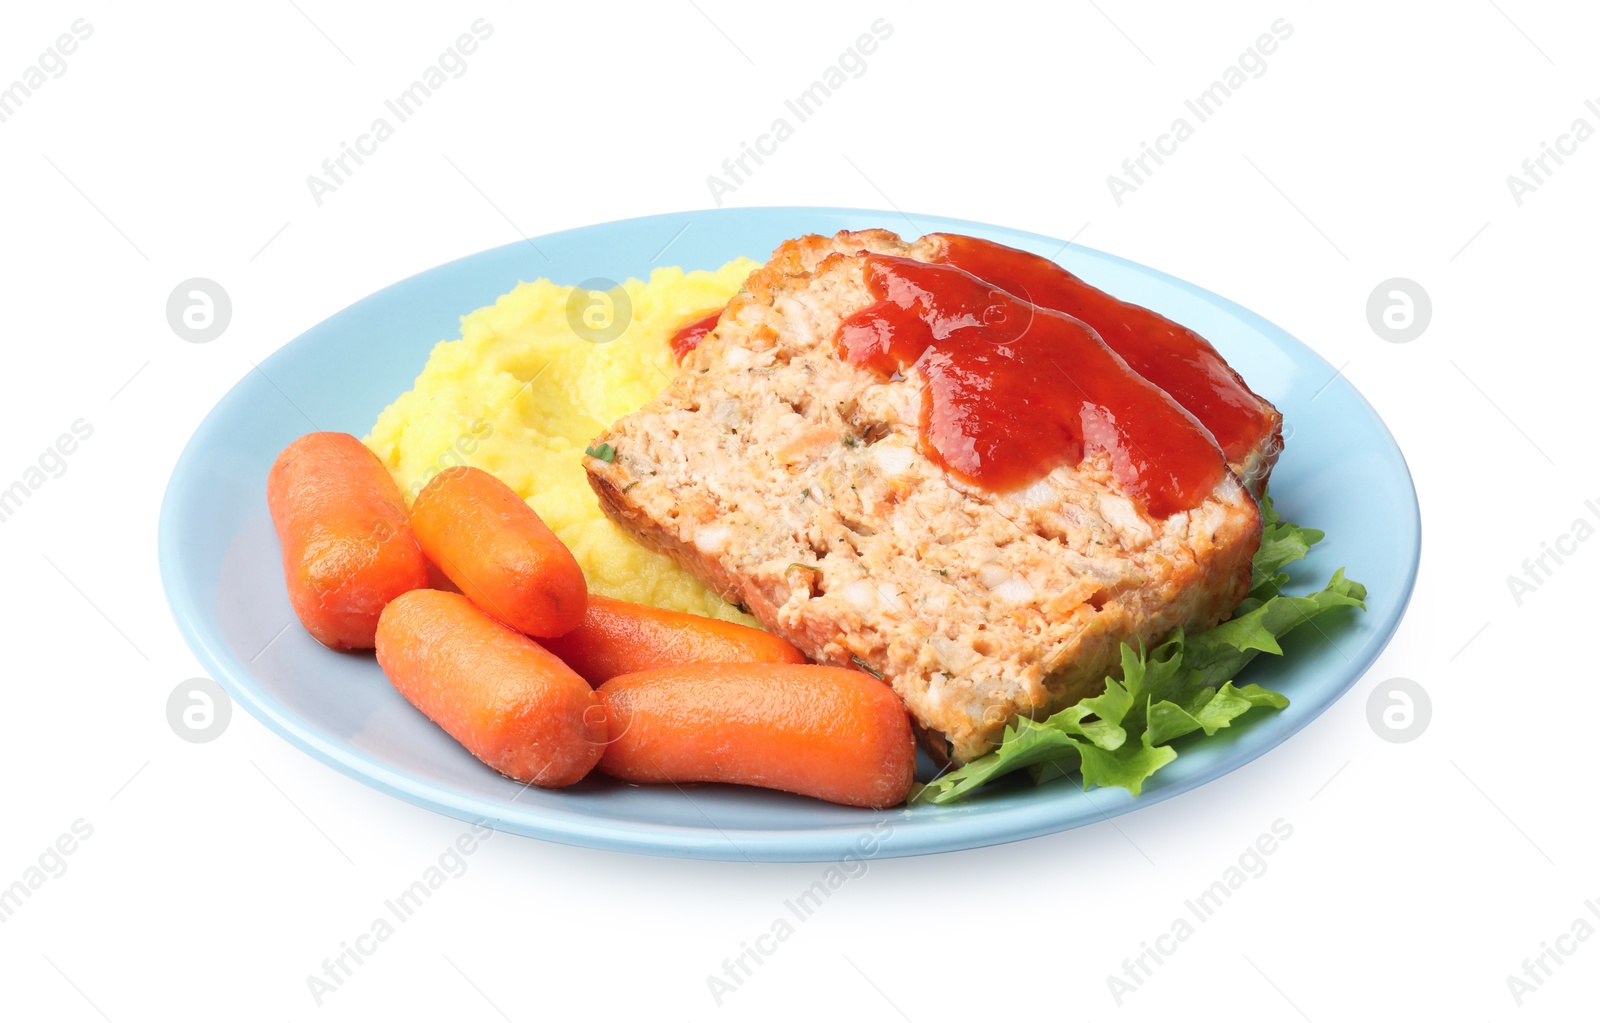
(1169, 354)
(791, 481)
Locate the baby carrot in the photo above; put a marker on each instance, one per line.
(348, 548)
(616, 637)
(497, 549)
(510, 702)
(832, 733)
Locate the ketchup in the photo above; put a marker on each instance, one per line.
(1169, 355)
(689, 336)
(1014, 390)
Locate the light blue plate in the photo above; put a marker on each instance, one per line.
(1341, 472)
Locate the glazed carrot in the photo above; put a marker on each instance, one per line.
(510, 702)
(348, 548)
(616, 637)
(832, 733)
(497, 549)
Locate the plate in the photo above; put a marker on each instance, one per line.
(1341, 472)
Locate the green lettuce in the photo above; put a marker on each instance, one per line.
(1183, 685)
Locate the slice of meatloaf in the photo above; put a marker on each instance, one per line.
(1248, 426)
(791, 481)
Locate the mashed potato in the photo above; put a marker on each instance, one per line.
(521, 395)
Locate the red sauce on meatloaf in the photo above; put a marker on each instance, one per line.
(689, 336)
(1014, 390)
(1169, 355)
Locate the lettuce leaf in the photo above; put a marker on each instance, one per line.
(1122, 736)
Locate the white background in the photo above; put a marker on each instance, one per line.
(1376, 145)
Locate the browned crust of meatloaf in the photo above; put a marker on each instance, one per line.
(805, 253)
(791, 482)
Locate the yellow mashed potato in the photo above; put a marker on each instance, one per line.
(520, 394)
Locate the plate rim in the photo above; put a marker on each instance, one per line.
(909, 838)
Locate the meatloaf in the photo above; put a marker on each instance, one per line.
(792, 482)
(1186, 365)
